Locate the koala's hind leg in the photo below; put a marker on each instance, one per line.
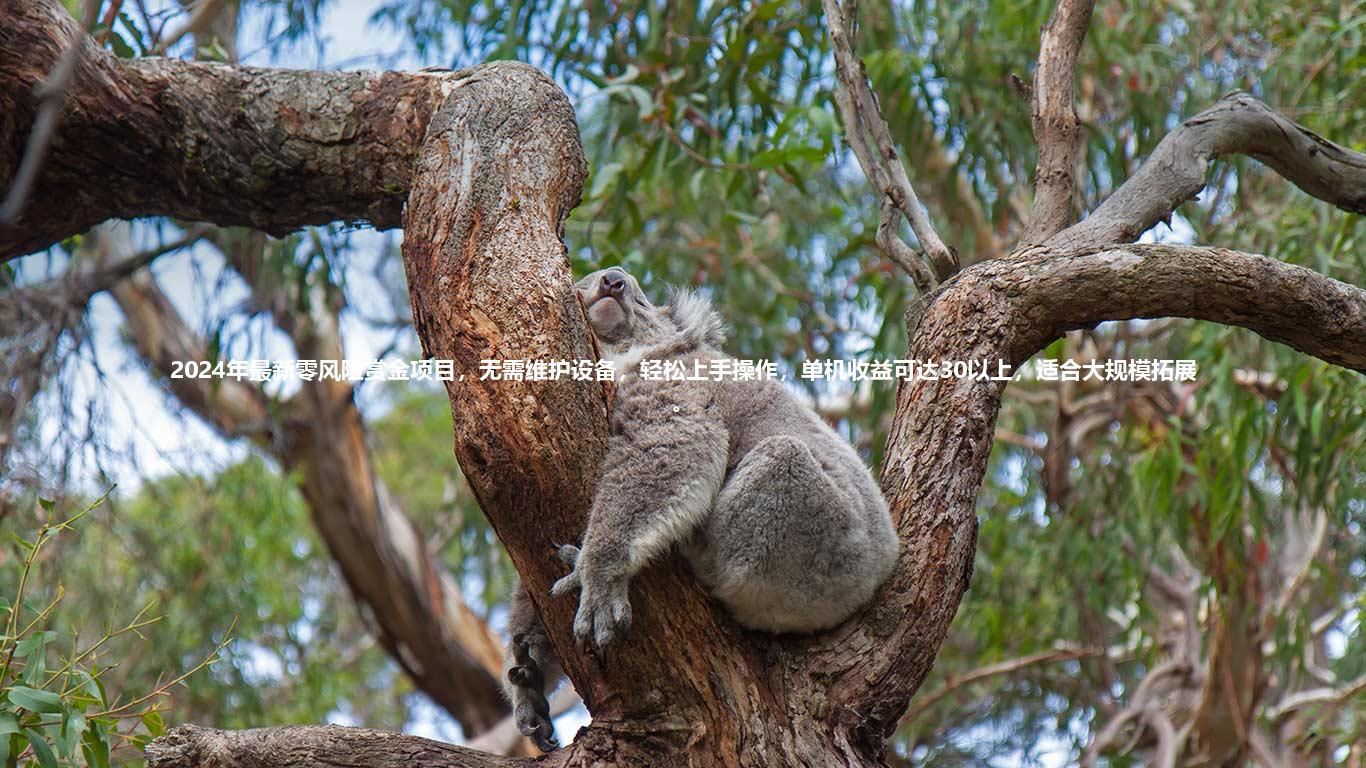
(788, 548)
(530, 670)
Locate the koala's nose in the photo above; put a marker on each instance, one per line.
(614, 283)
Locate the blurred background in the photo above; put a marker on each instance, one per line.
(1129, 531)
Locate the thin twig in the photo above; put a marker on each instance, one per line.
(1330, 696)
(202, 17)
(953, 683)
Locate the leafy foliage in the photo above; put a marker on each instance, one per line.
(55, 708)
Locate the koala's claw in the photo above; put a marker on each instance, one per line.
(533, 720)
(544, 737)
(521, 676)
(569, 554)
(602, 617)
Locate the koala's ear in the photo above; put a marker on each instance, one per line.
(697, 320)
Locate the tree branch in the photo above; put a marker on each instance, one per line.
(50, 95)
(200, 19)
(272, 149)
(1287, 303)
(312, 746)
(1176, 170)
(1057, 131)
(859, 110)
(1332, 697)
(233, 408)
(1007, 310)
(1009, 666)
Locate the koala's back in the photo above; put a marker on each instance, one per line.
(798, 536)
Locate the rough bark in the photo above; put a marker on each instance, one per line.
(271, 149)
(312, 746)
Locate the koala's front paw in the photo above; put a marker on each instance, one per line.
(604, 614)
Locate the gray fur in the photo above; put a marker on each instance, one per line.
(776, 513)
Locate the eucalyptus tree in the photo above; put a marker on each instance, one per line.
(1231, 550)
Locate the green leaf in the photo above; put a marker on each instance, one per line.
(95, 747)
(36, 669)
(153, 722)
(73, 727)
(89, 684)
(41, 748)
(8, 724)
(823, 121)
(120, 46)
(645, 103)
(35, 700)
(34, 642)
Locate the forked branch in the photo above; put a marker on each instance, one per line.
(941, 432)
(880, 162)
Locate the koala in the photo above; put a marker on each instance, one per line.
(775, 512)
